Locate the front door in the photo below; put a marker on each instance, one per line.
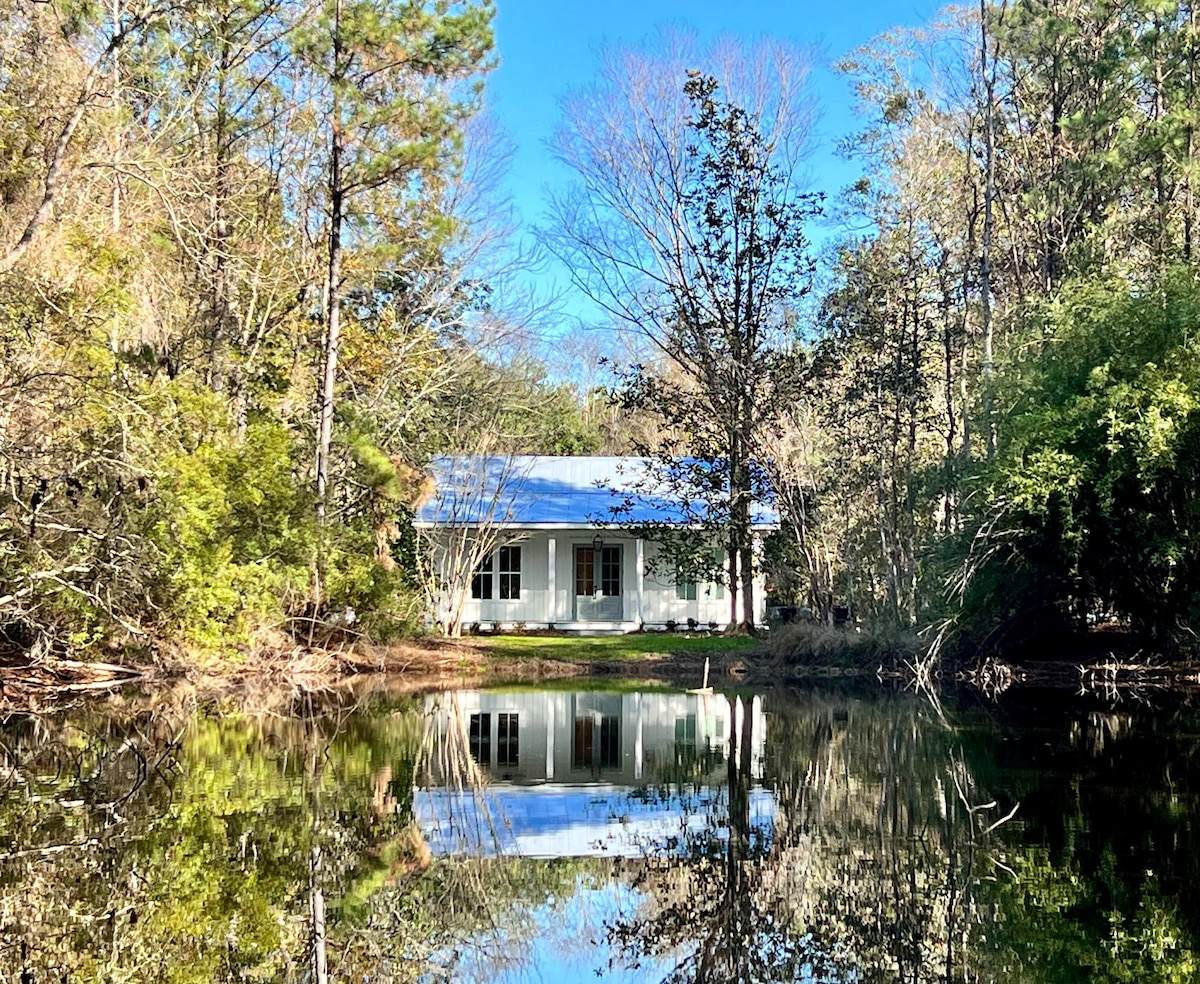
(598, 584)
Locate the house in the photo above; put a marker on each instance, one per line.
(554, 542)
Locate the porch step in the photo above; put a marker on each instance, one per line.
(597, 627)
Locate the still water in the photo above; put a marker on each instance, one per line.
(524, 835)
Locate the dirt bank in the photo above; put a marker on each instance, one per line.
(413, 666)
(416, 666)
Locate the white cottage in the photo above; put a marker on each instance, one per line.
(555, 558)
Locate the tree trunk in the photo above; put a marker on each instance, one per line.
(320, 965)
(332, 283)
(985, 254)
(741, 493)
(1190, 131)
(332, 340)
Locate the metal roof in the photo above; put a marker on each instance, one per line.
(547, 491)
(555, 820)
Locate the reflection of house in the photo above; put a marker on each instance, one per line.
(575, 774)
(561, 559)
(530, 737)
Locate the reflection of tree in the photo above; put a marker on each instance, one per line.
(1104, 882)
(869, 868)
(710, 914)
(177, 847)
(883, 869)
(467, 916)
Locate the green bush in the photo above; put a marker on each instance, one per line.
(1090, 500)
(236, 534)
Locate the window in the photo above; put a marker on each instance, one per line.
(607, 578)
(610, 743)
(506, 740)
(481, 580)
(687, 589)
(684, 590)
(717, 588)
(510, 573)
(481, 738)
(585, 571)
(685, 730)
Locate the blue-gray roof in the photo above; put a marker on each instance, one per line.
(557, 821)
(541, 490)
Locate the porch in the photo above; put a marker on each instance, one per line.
(585, 582)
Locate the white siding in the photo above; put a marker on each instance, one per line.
(560, 734)
(536, 607)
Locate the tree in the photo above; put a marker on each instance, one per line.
(473, 505)
(58, 62)
(392, 86)
(1091, 498)
(687, 226)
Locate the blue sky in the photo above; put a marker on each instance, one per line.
(546, 47)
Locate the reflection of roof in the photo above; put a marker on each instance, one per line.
(557, 821)
(540, 490)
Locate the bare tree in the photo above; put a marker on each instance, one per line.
(85, 61)
(802, 460)
(687, 226)
(472, 506)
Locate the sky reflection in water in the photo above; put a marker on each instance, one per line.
(556, 836)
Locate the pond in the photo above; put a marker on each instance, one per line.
(828, 834)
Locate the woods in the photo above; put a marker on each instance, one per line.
(256, 273)
(239, 292)
(1028, 195)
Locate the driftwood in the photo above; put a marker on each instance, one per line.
(26, 675)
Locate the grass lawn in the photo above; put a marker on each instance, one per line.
(634, 646)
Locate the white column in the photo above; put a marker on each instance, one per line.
(760, 579)
(640, 576)
(638, 751)
(757, 736)
(737, 722)
(552, 563)
(550, 729)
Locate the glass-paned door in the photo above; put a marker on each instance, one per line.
(598, 584)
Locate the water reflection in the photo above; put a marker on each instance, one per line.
(637, 836)
(587, 774)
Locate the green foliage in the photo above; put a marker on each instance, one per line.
(208, 877)
(376, 469)
(234, 529)
(1092, 493)
(1056, 927)
(159, 331)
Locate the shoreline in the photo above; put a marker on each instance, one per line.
(411, 666)
(416, 666)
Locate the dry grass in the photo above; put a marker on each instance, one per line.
(814, 646)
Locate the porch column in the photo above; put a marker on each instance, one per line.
(551, 560)
(550, 733)
(638, 752)
(760, 581)
(640, 576)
